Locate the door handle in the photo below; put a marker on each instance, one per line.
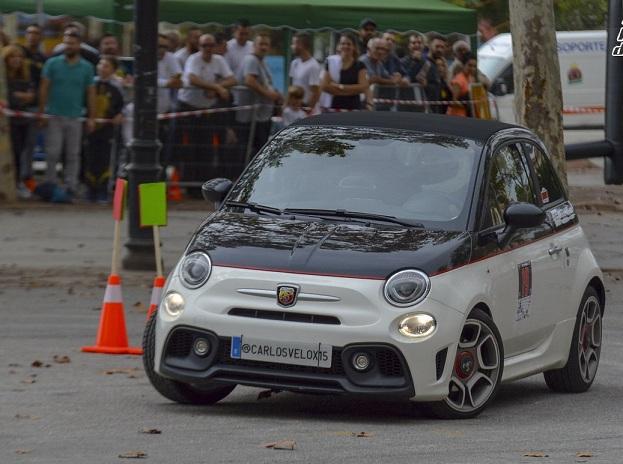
(554, 250)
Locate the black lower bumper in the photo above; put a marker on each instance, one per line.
(387, 376)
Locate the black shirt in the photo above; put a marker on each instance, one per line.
(349, 76)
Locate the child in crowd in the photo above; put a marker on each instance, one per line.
(293, 109)
(100, 142)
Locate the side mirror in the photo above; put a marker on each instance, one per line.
(216, 190)
(520, 216)
(499, 87)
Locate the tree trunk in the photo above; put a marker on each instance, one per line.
(538, 97)
(7, 168)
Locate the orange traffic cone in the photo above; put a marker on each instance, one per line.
(156, 295)
(112, 337)
(175, 192)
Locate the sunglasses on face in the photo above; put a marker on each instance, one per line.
(207, 45)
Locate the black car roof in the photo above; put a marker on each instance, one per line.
(471, 128)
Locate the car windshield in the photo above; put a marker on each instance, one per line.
(417, 177)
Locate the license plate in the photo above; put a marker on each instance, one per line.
(301, 354)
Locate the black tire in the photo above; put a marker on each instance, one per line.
(443, 409)
(172, 389)
(569, 379)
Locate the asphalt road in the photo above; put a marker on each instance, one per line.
(95, 407)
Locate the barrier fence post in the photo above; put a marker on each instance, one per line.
(7, 167)
(144, 166)
(250, 142)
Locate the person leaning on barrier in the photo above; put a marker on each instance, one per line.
(192, 45)
(460, 49)
(174, 40)
(257, 77)
(345, 79)
(305, 71)
(437, 49)
(392, 62)
(460, 87)
(169, 75)
(415, 63)
(378, 49)
(239, 46)
(208, 76)
(445, 94)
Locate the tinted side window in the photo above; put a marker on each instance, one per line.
(551, 189)
(509, 182)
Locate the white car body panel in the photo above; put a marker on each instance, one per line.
(535, 343)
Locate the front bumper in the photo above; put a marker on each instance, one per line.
(365, 321)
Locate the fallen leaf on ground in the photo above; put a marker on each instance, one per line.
(11, 371)
(281, 445)
(70, 291)
(362, 434)
(133, 455)
(26, 416)
(152, 431)
(22, 451)
(36, 363)
(28, 381)
(58, 359)
(267, 394)
(536, 454)
(121, 370)
(15, 365)
(583, 454)
(138, 304)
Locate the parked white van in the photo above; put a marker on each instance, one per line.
(582, 56)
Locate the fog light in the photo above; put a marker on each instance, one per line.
(173, 304)
(201, 347)
(417, 325)
(361, 361)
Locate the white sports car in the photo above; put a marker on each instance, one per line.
(391, 254)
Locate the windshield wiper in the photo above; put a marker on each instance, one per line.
(352, 214)
(254, 207)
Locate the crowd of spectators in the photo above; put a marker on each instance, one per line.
(81, 83)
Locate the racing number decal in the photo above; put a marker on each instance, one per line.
(525, 291)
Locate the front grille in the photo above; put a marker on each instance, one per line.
(180, 343)
(284, 316)
(224, 358)
(389, 363)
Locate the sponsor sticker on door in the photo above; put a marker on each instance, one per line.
(525, 291)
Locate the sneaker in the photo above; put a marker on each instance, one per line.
(23, 192)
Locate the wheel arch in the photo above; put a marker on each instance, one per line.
(483, 307)
(599, 287)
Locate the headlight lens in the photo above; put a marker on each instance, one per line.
(195, 269)
(417, 325)
(173, 304)
(406, 288)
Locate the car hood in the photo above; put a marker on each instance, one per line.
(333, 248)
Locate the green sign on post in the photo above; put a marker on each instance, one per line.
(153, 204)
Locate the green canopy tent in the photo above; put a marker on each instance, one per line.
(401, 15)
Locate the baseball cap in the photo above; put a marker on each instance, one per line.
(367, 21)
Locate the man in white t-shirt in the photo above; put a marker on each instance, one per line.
(169, 74)
(240, 46)
(192, 45)
(208, 76)
(305, 71)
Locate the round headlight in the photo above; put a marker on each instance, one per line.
(417, 325)
(173, 303)
(406, 288)
(195, 269)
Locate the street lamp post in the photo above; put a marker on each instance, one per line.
(144, 163)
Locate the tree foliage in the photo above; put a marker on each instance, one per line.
(570, 15)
